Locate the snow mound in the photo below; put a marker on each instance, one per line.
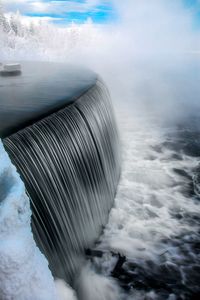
(24, 272)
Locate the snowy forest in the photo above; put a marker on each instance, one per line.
(21, 38)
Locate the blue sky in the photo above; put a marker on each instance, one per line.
(66, 11)
(194, 7)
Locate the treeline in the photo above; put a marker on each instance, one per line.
(22, 39)
(13, 25)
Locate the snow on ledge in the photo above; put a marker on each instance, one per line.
(24, 272)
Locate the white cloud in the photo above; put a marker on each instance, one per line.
(56, 7)
(28, 20)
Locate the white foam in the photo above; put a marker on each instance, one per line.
(64, 291)
(148, 192)
(91, 285)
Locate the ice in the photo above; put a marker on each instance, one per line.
(24, 272)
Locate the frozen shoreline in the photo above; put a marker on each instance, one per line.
(23, 269)
(24, 272)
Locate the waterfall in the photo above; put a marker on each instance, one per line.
(70, 164)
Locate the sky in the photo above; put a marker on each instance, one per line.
(79, 11)
(64, 11)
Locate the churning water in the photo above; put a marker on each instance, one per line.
(155, 222)
(70, 164)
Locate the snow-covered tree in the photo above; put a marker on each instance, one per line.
(16, 25)
(32, 29)
(4, 24)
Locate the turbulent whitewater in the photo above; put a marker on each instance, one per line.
(155, 221)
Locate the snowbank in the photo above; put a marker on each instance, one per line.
(24, 272)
